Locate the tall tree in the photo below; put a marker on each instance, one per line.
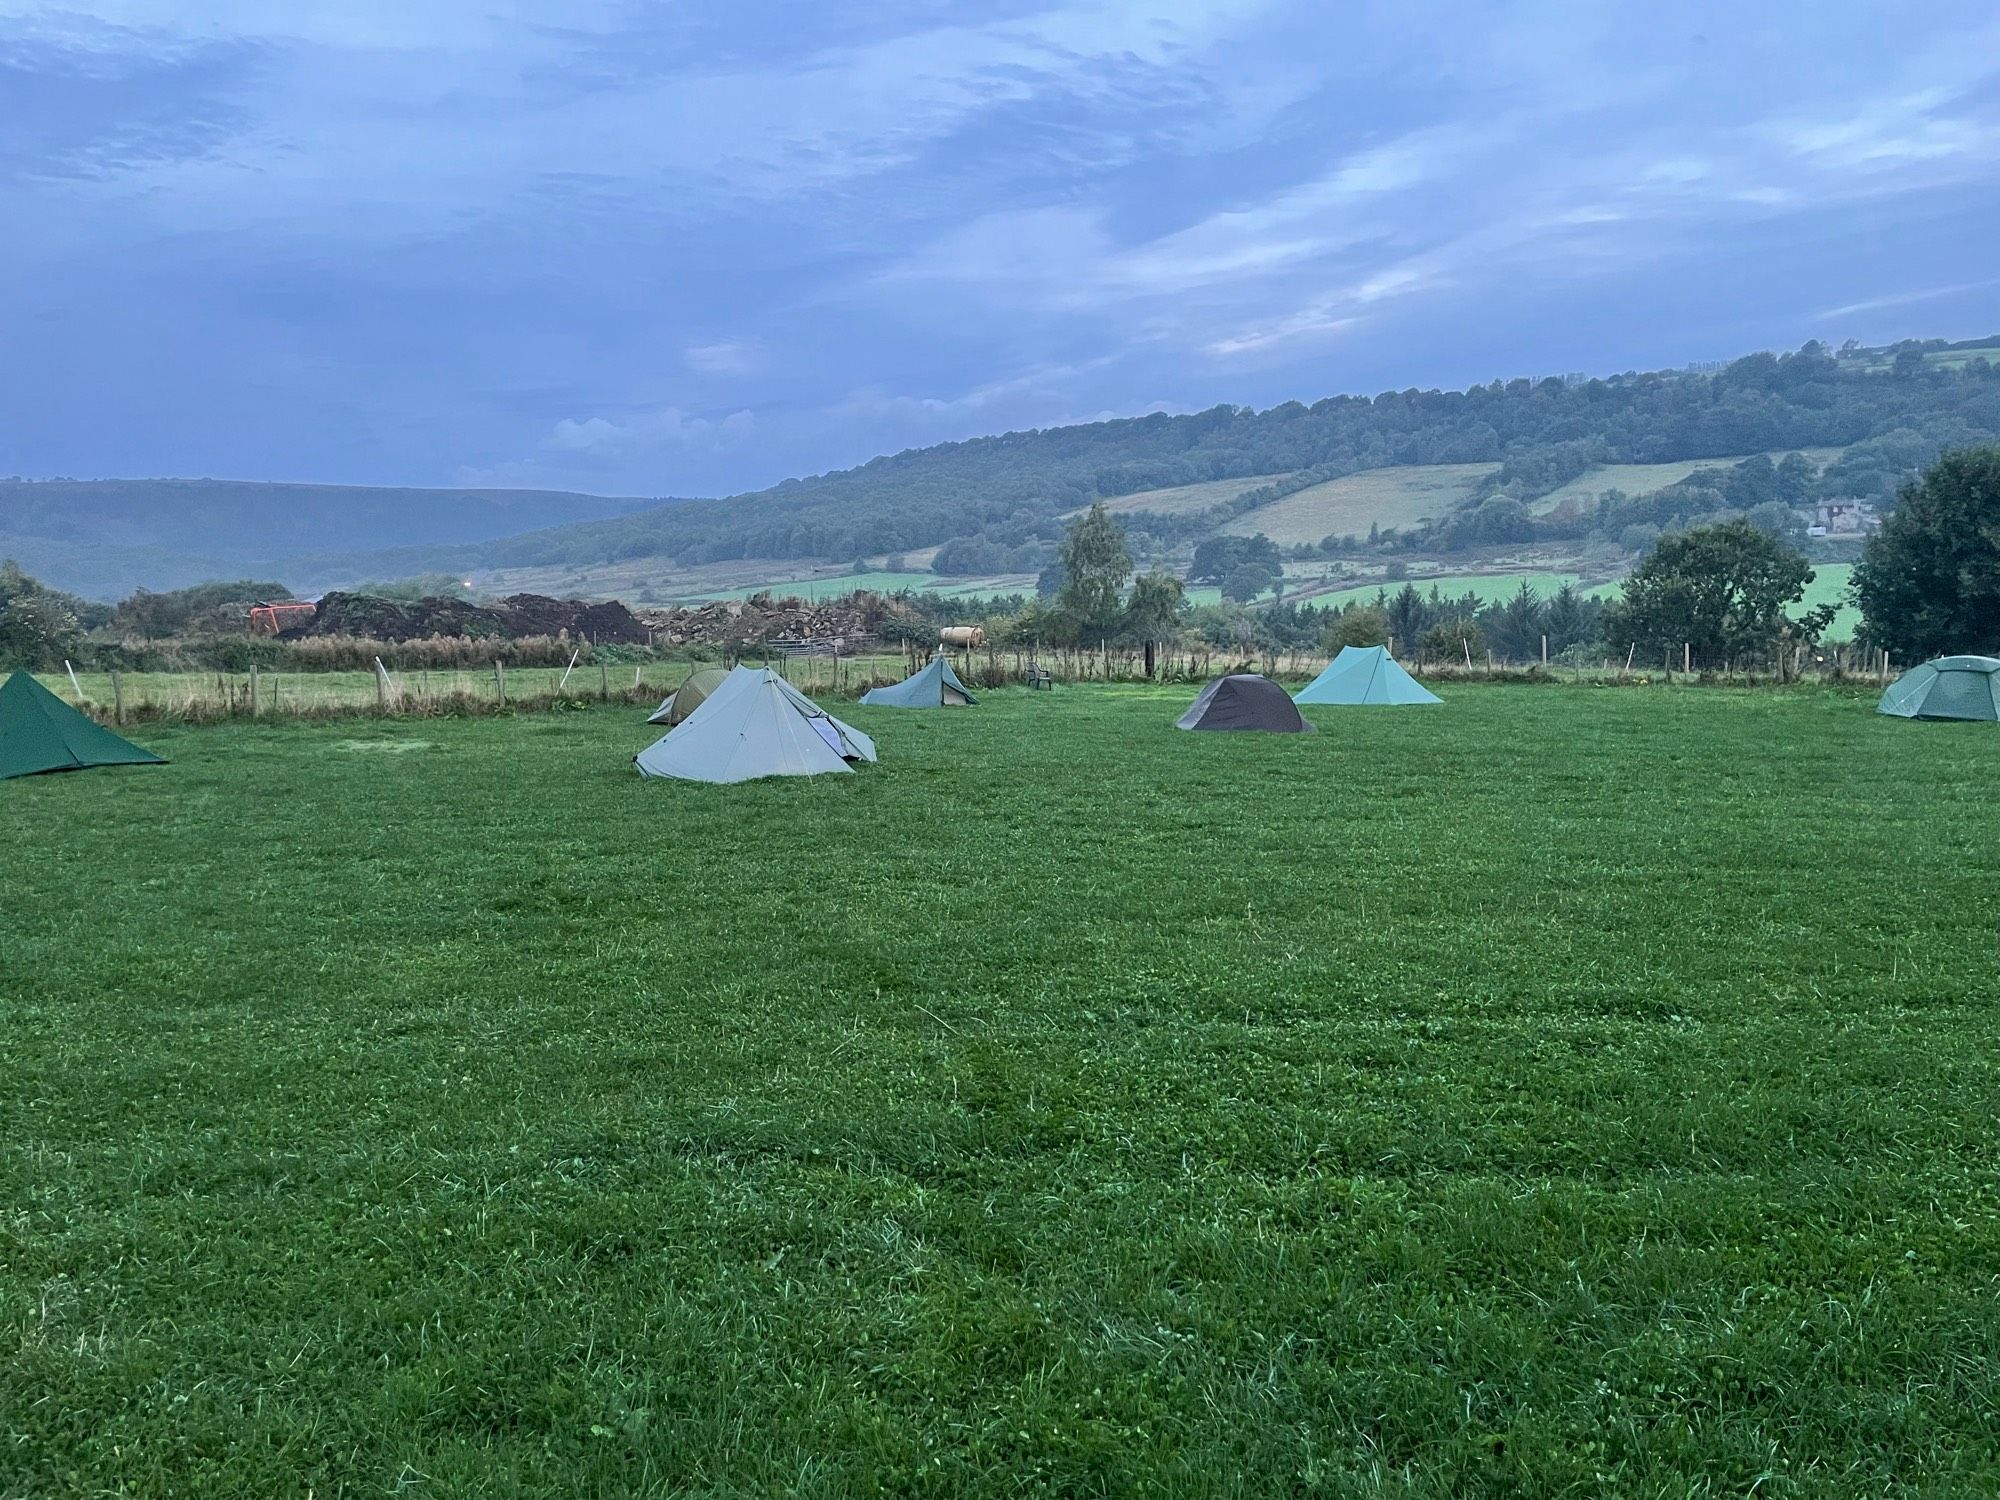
(38, 626)
(1153, 613)
(1720, 590)
(1568, 622)
(1406, 617)
(1095, 566)
(1514, 630)
(1929, 581)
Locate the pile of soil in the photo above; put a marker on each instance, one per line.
(514, 618)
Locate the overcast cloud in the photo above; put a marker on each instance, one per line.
(695, 248)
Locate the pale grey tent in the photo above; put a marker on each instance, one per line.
(936, 686)
(755, 724)
(689, 696)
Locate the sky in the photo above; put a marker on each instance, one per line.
(695, 247)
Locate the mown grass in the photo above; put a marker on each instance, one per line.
(1399, 497)
(1562, 1091)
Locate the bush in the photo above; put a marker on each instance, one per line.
(1452, 640)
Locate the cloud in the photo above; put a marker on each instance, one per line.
(648, 432)
(729, 357)
(1905, 299)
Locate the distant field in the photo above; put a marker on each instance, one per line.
(1398, 497)
(1190, 497)
(1829, 586)
(1488, 586)
(1643, 479)
(881, 583)
(1557, 1092)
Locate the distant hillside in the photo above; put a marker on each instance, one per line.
(1567, 462)
(989, 503)
(103, 536)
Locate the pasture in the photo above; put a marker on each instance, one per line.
(1560, 1091)
(1393, 497)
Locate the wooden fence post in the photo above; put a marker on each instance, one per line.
(117, 696)
(256, 704)
(500, 680)
(604, 682)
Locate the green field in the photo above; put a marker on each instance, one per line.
(1490, 587)
(839, 586)
(1829, 586)
(1190, 497)
(1398, 497)
(1643, 479)
(1562, 1091)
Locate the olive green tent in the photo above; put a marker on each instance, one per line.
(689, 696)
(39, 732)
(1951, 687)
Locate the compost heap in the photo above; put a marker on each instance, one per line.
(513, 618)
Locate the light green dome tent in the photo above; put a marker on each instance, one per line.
(755, 724)
(1365, 675)
(686, 698)
(1951, 687)
(39, 732)
(936, 686)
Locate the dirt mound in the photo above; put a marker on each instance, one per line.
(521, 616)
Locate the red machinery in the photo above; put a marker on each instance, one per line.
(269, 619)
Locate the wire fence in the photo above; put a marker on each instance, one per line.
(202, 697)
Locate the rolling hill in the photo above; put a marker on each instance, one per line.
(104, 537)
(995, 506)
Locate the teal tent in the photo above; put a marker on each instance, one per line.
(1951, 687)
(1364, 674)
(755, 724)
(937, 686)
(39, 732)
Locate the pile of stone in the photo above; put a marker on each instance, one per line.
(846, 623)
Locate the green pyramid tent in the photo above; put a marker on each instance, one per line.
(689, 696)
(1365, 674)
(39, 732)
(936, 686)
(1951, 687)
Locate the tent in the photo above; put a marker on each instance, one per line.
(755, 724)
(1365, 674)
(937, 686)
(1951, 687)
(686, 698)
(1244, 700)
(39, 732)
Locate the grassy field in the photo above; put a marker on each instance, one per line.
(1490, 587)
(1829, 586)
(1562, 1091)
(1396, 497)
(1643, 479)
(1190, 497)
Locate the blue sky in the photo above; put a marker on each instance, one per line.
(692, 248)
